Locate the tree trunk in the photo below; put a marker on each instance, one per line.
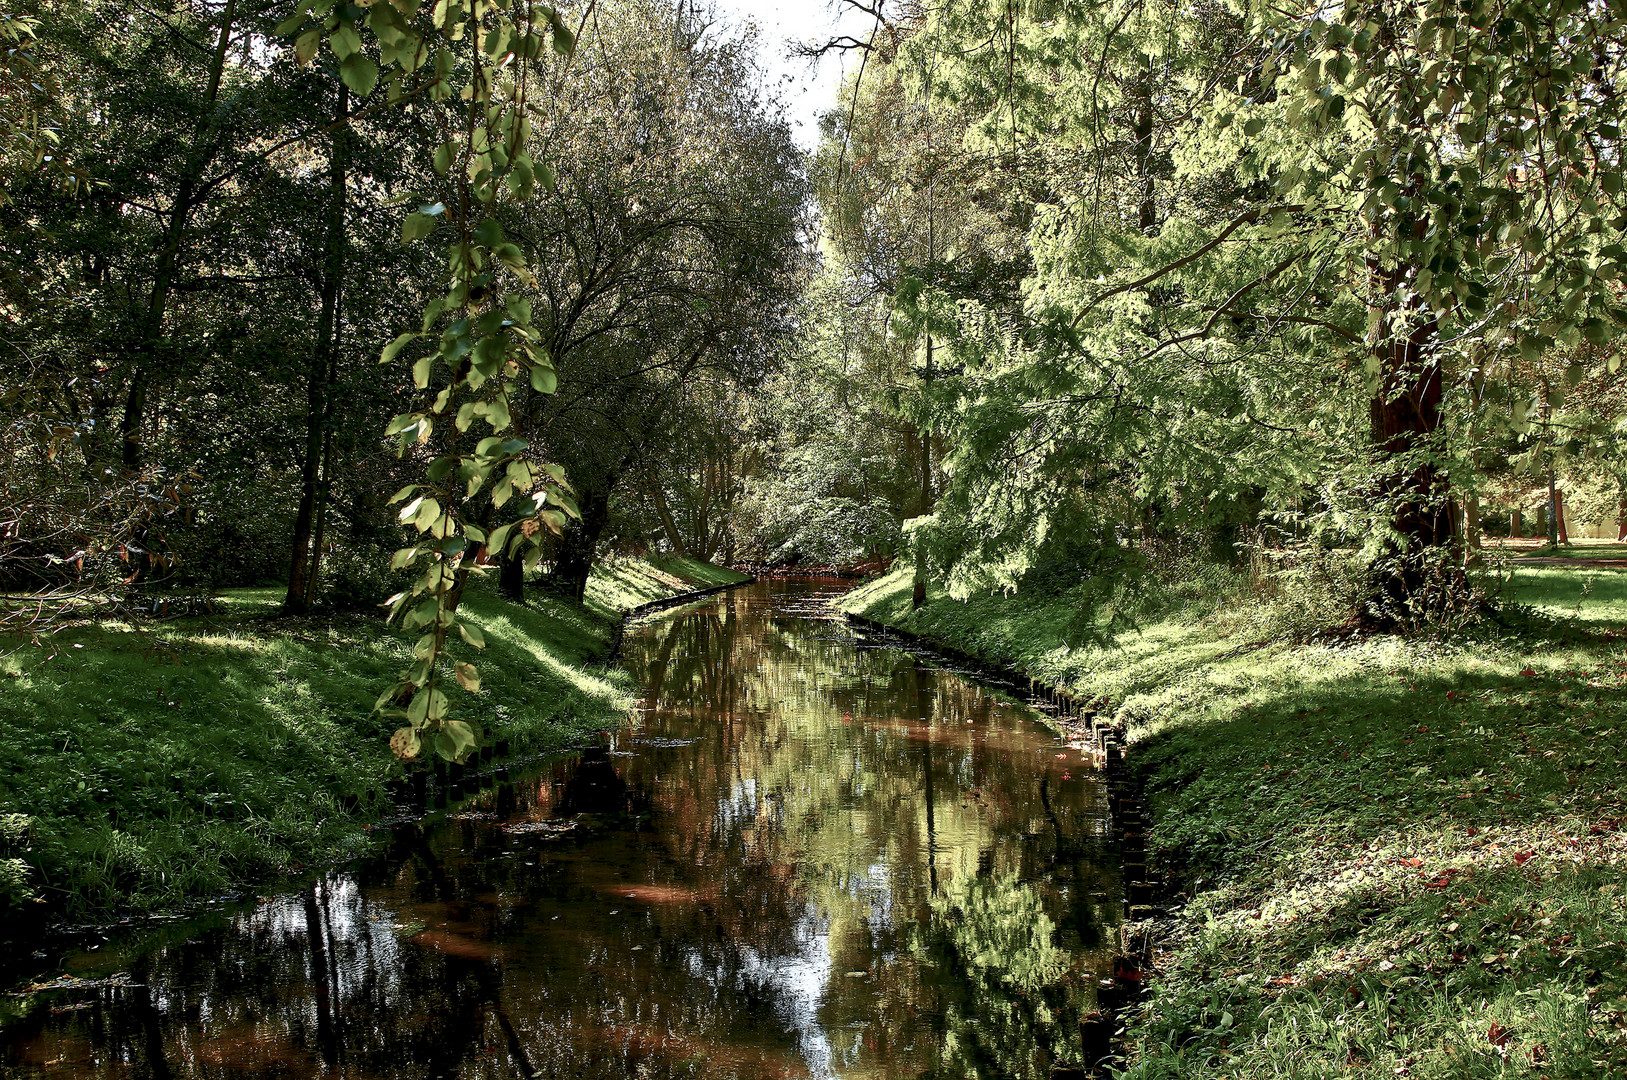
(1405, 414)
(1553, 511)
(918, 586)
(1559, 518)
(652, 486)
(1621, 518)
(511, 577)
(576, 549)
(301, 567)
(1516, 525)
(319, 533)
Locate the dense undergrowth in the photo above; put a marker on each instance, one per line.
(1398, 856)
(142, 767)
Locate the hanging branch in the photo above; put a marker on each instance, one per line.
(476, 341)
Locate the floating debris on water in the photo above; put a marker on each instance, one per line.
(70, 982)
(547, 828)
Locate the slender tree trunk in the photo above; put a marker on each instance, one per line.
(1621, 516)
(1516, 525)
(319, 534)
(652, 486)
(1553, 511)
(302, 564)
(918, 586)
(1143, 152)
(1561, 534)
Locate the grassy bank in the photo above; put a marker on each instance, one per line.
(1399, 857)
(144, 767)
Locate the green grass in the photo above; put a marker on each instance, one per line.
(1400, 857)
(141, 768)
(620, 583)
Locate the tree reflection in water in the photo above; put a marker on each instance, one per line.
(803, 856)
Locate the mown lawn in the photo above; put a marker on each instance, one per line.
(144, 767)
(1398, 857)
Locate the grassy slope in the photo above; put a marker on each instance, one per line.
(619, 584)
(178, 762)
(1410, 852)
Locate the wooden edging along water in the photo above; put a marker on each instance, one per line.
(1102, 740)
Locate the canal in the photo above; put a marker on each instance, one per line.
(806, 854)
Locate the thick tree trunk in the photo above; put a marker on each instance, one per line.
(576, 549)
(1406, 413)
(1558, 528)
(1516, 525)
(302, 564)
(511, 577)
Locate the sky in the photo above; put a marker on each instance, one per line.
(806, 91)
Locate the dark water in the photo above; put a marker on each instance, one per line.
(803, 857)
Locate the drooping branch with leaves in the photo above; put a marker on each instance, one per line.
(469, 67)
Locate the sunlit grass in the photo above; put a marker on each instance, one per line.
(620, 583)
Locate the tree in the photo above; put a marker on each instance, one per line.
(668, 253)
(1277, 272)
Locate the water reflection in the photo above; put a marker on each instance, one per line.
(802, 858)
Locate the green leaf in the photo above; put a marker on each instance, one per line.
(393, 349)
(416, 226)
(405, 743)
(443, 157)
(543, 379)
(292, 23)
(472, 635)
(346, 43)
(421, 370)
(467, 677)
(455, 740)
(306, 44)
(360, 74)
(404, 493)
(497, 413)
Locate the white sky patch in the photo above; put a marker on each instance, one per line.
(806, 89)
